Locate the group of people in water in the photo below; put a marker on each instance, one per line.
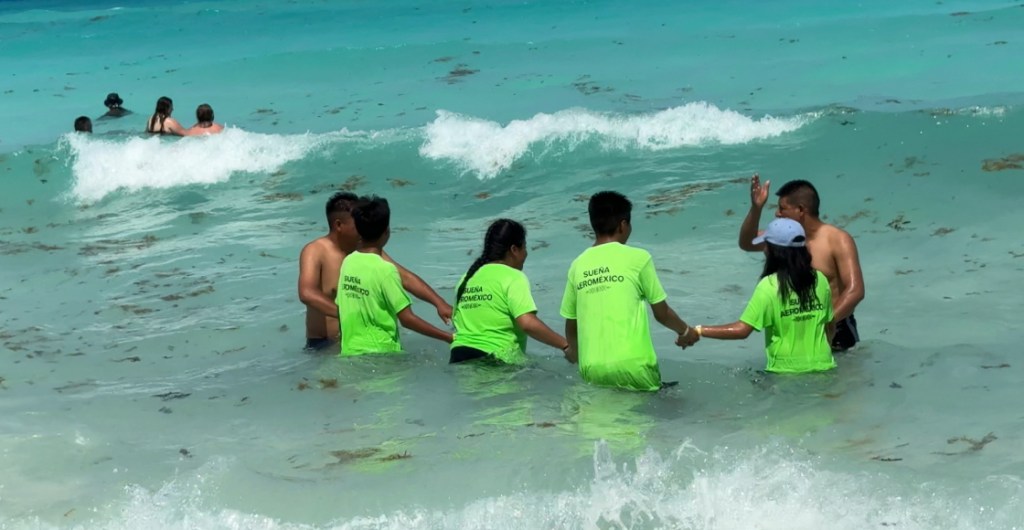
(160, 122)
(809, 286)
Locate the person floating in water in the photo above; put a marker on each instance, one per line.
(161, 121)
(204, 122)
(833, 251)
(603, 304)
(83, 124)
(319, 265)
(371, 301)
(494, 309)
(792, 304)
(114, 108)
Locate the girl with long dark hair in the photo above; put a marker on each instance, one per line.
(494, 309)
(161, 121)
(792, 304)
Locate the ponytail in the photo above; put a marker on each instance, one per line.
(501, 236)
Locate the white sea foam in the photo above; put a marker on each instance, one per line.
(768, 488)
(103, 165)
(486, 148)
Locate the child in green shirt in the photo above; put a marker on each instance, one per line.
(494, 309)
(606, 318)
(371, 300)
(792, 304)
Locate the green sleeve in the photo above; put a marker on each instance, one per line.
(568, 309)
(826, 295)
(756, 313)
(650, 286)
(393, 292)
(520, 300)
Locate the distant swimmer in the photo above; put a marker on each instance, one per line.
(204, 122)
(604, 303)
(833, 251)
(161, 121)
(320, 262)
(494, 309)
(114, 108)
(792, 305)
(83, 124)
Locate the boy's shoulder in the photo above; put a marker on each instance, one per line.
(614, 253)
(368, 261)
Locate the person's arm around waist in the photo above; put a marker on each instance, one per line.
(849, 271)
(309, 289)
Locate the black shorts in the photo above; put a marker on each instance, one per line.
(317, 344)
(465, 353)
(846, 334)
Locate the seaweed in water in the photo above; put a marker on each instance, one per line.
(457, 73)
(167, 396)
(396, 456)
(899, 223)
(345, 455)
(1007, 162)
(973, 445)
(281, 197)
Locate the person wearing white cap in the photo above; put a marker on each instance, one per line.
(792, 305)
(833, 251)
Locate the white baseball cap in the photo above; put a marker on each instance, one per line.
(783, 232)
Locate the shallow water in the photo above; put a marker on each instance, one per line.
(153, 373)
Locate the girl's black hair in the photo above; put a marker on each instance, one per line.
(502, 235)
(793, 267)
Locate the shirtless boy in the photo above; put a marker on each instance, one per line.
(833, 251)
(320, 263)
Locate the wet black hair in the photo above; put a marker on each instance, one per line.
(204, 113)
(340, 204)
(164, 106)
(795, 274)
(501, 236)
(607, 209)
(801, 193)
(372, 216)
(83, 124)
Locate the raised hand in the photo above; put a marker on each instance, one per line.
(758, 192)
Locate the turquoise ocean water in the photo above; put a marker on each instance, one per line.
(152, 372)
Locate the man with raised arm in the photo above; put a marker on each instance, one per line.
(833, 251)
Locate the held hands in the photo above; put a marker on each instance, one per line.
(758, 192)
(444, 312)
(571, 354)
(687, 339)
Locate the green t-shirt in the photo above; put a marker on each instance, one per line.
(607, 287)
(370, 296)
(795, 340)
(485, 316)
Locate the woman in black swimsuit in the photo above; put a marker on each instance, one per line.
(161, 121)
